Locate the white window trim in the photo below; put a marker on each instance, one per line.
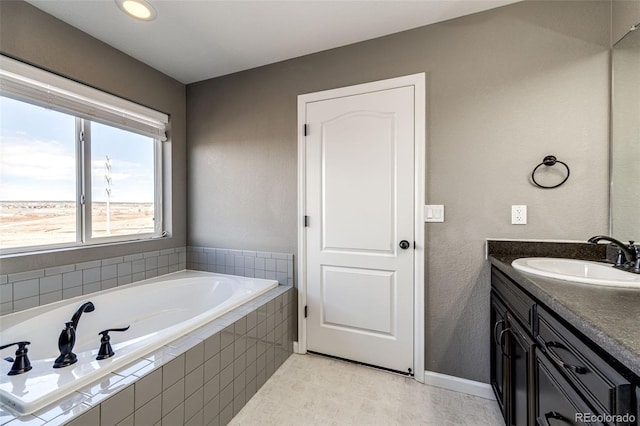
(28, 83)
(86, 219)
(34, 85)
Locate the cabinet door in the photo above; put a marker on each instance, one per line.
(519, 303)
(556, 401)
(498, 356)
(520, 377)
(603, 386)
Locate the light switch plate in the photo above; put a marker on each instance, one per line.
(434, 213)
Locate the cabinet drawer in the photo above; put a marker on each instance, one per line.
(600, 383)
(556, 401)
(518, 301)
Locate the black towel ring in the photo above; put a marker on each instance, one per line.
(549, 161)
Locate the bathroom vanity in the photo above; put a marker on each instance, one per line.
(563, 353)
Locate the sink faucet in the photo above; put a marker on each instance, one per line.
(67, 338)
(629, 252)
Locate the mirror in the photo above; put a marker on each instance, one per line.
(625, 138)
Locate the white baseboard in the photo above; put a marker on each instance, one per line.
(483, 390)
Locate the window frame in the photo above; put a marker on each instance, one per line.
(83, 137)
(32, 85)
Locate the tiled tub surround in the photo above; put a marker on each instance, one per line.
(29, 289)
(254, 264)
(155, 311)
(205, 377)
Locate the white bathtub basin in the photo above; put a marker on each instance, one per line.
(159, 310)
(580, 271)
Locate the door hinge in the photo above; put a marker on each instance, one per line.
(306, 129)
(306, 311)
(414, 245)
(306, 221)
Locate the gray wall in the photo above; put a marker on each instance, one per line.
(505, 88)
(28, 34)
(625, 13)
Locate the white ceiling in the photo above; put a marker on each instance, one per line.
(193, 40)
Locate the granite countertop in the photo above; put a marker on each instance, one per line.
(609, 316)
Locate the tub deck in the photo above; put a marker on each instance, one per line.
(180, 303)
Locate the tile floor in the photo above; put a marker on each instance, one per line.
(315, 390)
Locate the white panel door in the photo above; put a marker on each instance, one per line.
(360, 206)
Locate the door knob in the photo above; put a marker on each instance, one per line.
(404, 244)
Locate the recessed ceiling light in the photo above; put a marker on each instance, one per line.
(139, 9)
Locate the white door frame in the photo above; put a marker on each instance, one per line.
(418, 81)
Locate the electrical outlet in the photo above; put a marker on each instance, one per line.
(518, 215)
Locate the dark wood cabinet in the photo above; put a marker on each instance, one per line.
(600, 384)
(511, 364)
(520, 378)
(498, 355)
(543, 372)
(556, 401)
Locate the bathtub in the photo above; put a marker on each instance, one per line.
(157, 310)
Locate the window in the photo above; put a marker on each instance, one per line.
(38, 200)
(77, 166)
(122, 182)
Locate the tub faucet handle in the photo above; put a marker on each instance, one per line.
(105, 346)
(636, 265)
(21, 364)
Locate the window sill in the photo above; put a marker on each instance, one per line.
(76, 248)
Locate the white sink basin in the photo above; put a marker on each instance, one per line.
(579, 271)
